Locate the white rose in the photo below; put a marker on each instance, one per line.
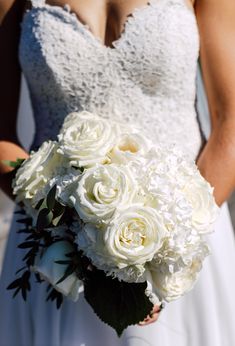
(204, 209)
(86, 139)
(100, 190)
(173, 285)
(35, 173)
(91, 241)
(130, 147)
(53, 272)
(122, 248)
(134, 236)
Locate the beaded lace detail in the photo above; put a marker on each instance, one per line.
(146, 78)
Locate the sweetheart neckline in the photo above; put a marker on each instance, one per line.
(86, 29)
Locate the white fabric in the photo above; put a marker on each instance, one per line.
(147, 78)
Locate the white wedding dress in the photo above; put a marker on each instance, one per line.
(147, 77)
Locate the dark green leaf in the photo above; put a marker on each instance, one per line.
(14, 284)
(24, 293)
(30, 237)
(21, 284)
(119, 304)
(16, 292)
(30, 253)
(44, 219)
(26, 221)
(19, 270)
(59, 300)
(55, 295)
(63, 262)
(58, 213)
(69, 270)
(27, 244)
(39, 204)
(25, 230)
(51, 198)
(21, 212)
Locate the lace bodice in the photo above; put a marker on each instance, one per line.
(146, 78)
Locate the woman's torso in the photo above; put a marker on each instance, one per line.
(147, 78)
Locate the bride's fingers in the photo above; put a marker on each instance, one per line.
(153, 316)
(149, 320)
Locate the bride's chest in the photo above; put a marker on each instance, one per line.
(159, 42)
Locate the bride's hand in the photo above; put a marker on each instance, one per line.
(153, 317)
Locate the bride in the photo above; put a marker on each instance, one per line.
(136, 61)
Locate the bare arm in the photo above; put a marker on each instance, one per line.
(216, 21)
(10, 16)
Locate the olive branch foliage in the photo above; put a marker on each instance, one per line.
(117, 303)
(38, 237)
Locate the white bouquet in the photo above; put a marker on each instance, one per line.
(114, 215)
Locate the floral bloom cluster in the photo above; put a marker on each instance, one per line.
(140, 212)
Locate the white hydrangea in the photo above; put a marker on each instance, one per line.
(204, 209)
(174, 271)
(171, 286)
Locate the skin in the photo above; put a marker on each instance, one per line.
(106, 19)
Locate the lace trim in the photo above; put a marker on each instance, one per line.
(129, 19)
(36, 3)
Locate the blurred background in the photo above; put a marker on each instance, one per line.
(25, 129)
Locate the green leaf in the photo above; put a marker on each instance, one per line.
(30, 253)
(63, 262)
(119, 304)
(14, 284)
(58, 213)
(26, 221)
(21, 212)
(43, 204)
(21, 284)
(55, 295)
(69, 270)
(25, 231)
(44, 219)
(14, 164)
(27, 245)
(20, 270)
(16, 292)
(51, 198)
(39, 204)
